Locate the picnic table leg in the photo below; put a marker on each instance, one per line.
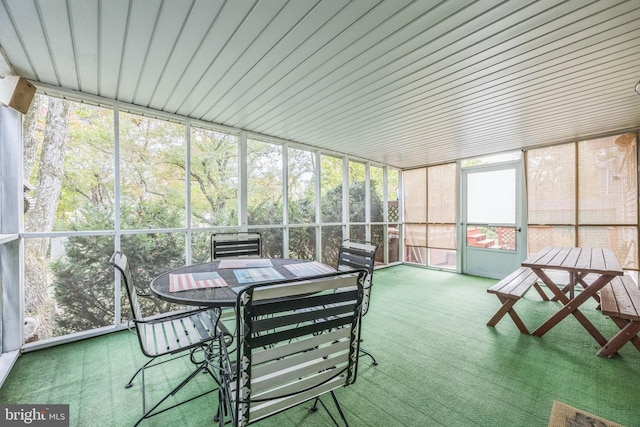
(571, 307)
(542, 294)
(507, 304)
(628, 332)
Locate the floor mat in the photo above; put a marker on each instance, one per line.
(567, 416)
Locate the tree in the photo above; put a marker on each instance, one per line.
(84, 284)
(38, 303)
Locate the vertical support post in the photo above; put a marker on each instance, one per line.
(11, 203)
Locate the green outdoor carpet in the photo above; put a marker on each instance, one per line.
(439, 365)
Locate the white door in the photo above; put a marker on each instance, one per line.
(492, 218)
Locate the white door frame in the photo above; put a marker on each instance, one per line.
(493, 263)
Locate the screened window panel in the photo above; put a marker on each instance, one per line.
(415, 235)
(214, 178)
(378, 238)
(331, 189)
(357, 193)
(415, 243)
(265, 191)
(608, 190)
(272, 239)
(622, 240)
(302, 186)
(415, 195)
(331, 236)
(70, 169)
(393, 189)
(540, 236)
(441, 192)
(442, 236)
(442, 258)
(66, 288)
(201, 246)
(152, 173)
(376, 177)
(358, 232)
(393, 242)
(551, 175)
(302, 243)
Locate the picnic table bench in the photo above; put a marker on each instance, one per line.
(509, 291)
(620, 300)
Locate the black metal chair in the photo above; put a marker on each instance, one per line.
(297, 340)
(182, 333)
(359, 254)
(236, 245)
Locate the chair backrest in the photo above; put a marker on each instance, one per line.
(236, 245)
(298, 339)
(119, 262)
(359, 254)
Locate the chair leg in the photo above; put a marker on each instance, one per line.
(335, 400)
(148, 414)
(363, 352)
(314, 408)
(150, 364)
(130, 383)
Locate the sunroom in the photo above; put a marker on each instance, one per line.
(459, 137)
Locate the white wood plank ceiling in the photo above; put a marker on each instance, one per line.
(400, 82)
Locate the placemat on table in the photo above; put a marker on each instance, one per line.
(305, 269)
(245, 263)
(188, 281)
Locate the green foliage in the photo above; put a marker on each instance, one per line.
(152, 178)
(83, 281)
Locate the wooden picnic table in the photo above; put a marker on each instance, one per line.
(600, 264)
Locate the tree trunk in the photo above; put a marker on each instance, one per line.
(38, 302)
(30, 139)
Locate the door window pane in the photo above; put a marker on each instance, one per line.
(491, 197)
(491, 237)
(214, 178)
